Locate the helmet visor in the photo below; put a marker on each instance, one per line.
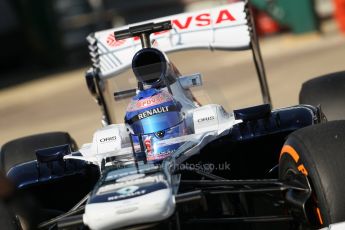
(146, 123)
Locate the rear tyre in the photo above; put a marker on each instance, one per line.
(319, 153)
(327, 91)
(23, 149)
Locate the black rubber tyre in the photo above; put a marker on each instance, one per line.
(8, 220)
(23, 149)
(327, 91)
(318, 151)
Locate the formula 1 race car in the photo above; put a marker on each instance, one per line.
(174, 163)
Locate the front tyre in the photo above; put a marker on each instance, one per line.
(20, 207)
(318, 152)
(23, 149)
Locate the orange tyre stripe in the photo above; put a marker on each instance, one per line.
(319, 215)
(291, 151)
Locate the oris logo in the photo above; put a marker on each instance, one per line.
(206, 119)
(107, 139)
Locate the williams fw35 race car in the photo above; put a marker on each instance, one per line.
(175, 163)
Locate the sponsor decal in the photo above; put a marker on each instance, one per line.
(157, 99)
(111, 41)
(152, 112)
(206, 119)
(203, 20)
(148, 102)
(148, 145)
(107, 139)
(146, 185)
(127, 192)
(160, 155)
(200, 20)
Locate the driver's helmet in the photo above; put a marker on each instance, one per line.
(154, 115)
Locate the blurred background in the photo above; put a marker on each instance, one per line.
(44, 56)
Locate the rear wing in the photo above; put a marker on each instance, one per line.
(227, 27)
(224, 27)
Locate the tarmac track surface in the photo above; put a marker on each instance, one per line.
(62, 102)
